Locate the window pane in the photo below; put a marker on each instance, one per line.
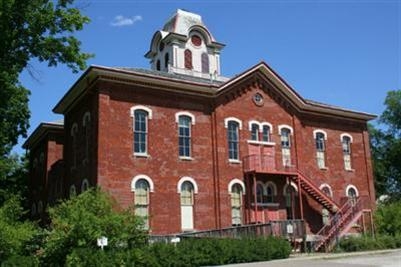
(320, 142)
(184, 136)
(255, 132)
(285, 137)
(266, 134)
(187, 190)
(320, 159)
(140, 131)
(232, 135)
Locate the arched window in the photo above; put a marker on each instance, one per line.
(286, 145)
(346, 146)
(86, 123)
(84, 185)
(255, 132)
(188, 59)
(141, 115)
(184, 136)
(290, 194)
(352, 193)
(73, 191)
(142, 189)
(187, 190)
(233, 140)
(325, 188)
(236, 204)
(205, 63)
(166, 60)
(320, 149)
(74, 144)
(271, 192)
(266, 133)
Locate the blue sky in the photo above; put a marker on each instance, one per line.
(345, 53)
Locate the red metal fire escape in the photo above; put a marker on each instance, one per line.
(343, 217)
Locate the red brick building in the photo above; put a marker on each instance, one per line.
(192, 150)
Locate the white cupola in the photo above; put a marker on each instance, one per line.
(185, 46)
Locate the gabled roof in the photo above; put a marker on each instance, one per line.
(296, 101)
(41, 131)
(183, 84)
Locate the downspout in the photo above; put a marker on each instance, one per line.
(301, 206)
(215, 159)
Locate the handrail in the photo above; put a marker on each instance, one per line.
(314, 187)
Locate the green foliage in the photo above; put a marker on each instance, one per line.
(189, 252)
(388, 219)
(15, 236)
(13, 177)
(78, 222)
(386, 147)
(41, 29)
(365, 243)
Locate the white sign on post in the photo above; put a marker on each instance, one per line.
(102, 242)
(290, 229)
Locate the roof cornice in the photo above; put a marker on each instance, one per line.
(40, 132)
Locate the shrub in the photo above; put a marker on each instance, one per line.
(387, 218)
(80, 221)
(363, 243)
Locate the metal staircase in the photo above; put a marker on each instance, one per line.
(340, 224)
(310, 188)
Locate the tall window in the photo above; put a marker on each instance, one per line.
(290, 194)
(188, 59)
(158, 65)
(184, 136)
(266, 133)
(352, 194)
(320, 149)
(87, 129)
(255, 132)
(270, 192)
(187, 203)
(74, 141)
(286, 146)
(236, 203)
(140, 131)
(233, 140)
(346, 145)
(205, 63)
(142, 189)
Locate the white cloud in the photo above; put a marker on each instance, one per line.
(120, 20)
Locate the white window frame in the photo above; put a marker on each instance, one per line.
(236, 181)
(325, 185)
(177, 120)
(148, 117)
(347, 158)
(139, 177)
(185, 179)
(320, 154)
(85, 183)
(239, 122)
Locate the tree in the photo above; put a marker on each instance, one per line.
(41, 29)
(15, 236)
(77, 223)
(386, 147)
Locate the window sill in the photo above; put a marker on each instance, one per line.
(266, 204)
(141, 155)
(234, 161)
(323, 168)
(186, 158)
(264, 143)
(350, 170)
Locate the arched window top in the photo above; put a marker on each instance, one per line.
(253, 122)
(272, 186)
(140, 107)
(351, 191)
(232, 119)
(345, 136)
(234, 182)
(184, 113)
(86, 118)
(84, 185)
(266, 124)
(317, 132)
(73, 191)
(74, 129)
(293, 186)
(283, 127)
(187, 179)
(140, 177)
(326, 188)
